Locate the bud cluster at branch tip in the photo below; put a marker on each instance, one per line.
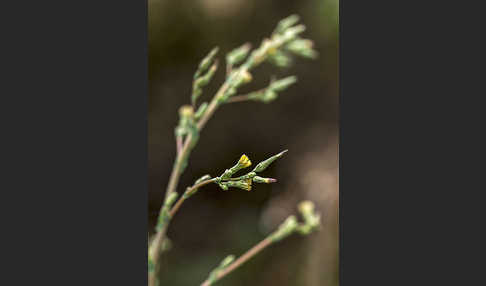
(208, 65)
(225, 181)
(290, 225)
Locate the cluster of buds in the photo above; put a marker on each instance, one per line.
(187, 126)
(271, 49)
(237, 55)
(186, 121)
(204, 74)
(270, 93)
(235, 80)
(312, 221)
(302, 47)
(277, 49)
(287, 35)
(226, 180)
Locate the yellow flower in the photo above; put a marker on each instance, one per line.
(245, 161)
(248, 182)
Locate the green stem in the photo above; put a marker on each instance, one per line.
(178, 204)
(238, 262)
(182, 157)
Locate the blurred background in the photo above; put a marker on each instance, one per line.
(304, 119)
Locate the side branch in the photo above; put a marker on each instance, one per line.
(238, 262)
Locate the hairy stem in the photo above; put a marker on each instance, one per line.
(242, 259)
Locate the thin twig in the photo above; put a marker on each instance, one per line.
(178, 204)
(242, 259)
(238, 98)
(175, 175)
(179, 144)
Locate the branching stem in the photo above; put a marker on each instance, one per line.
(178, 204)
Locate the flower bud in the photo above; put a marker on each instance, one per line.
(246, 76)
(243, 184)
(244, 161)
(292, 33)
(279, 59)
(282, 84)
(311, 218)
(306, 207)
(286, 23)
(237, 55)
(261, 180)
(226, 261)
(186, 111)
(206, 62)
(263, 165)
(250, 175)
(200, 111)
(202, 179)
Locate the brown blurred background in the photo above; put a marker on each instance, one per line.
(304, 119)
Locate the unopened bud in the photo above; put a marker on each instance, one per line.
(206, 62)
(279, 59)
(226, 261)
(263, 165)
(186, 111)
(311, 218)
(302, 47)
(200, 111)
(306, 207)
(202, 179)
(238, 54)
(243, 184)
(261, 180)
(292, 33)
(282, 84)
(286, 23)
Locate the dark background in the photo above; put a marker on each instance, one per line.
(304, 119)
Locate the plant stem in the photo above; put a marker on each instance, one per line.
(178, 204)
(183, 155)
(243, 97)
(213, 105)
(175, 175)
(178, 144)
(238, 98)
(242, 259)
(155, 247)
